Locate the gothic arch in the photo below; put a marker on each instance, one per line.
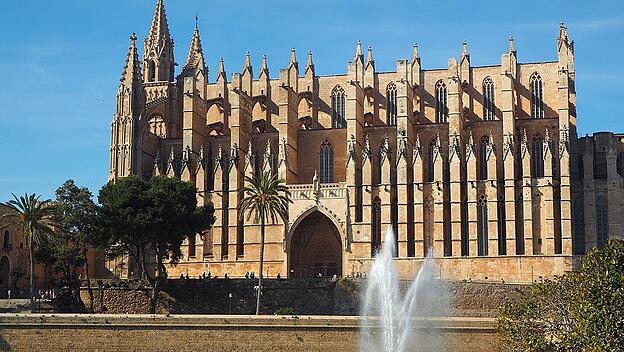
(314, 245)
(320, 208)
(537, 96)
(339, 101)
(215, 119)
(391, 104)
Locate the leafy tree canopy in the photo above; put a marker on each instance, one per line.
(579, 311)
(149, 220)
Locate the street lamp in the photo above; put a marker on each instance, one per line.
(230, 299)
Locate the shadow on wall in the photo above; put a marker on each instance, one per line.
(4, 345)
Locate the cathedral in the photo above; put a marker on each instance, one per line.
(477, 166)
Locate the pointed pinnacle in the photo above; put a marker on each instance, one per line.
(221, 66)
(358, 49)
(511, 44)
(293, 56)
(264, 63)
(159, 29)
(310, 63)
(131, 71)
(465, 48)
(369, 55)
(247, 60)
(415, 53)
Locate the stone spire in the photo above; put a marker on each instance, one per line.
(221, 74)
(415, 56)
(159, 31)
(369, 56)
(195, 58)
(158, 50)
(512, 47)
(264, 68)
(247, 61)
(310, 64)
(264, 63)
(132, 70)
(358, 52)
(293, 57)
(563, 38)
(465, 56)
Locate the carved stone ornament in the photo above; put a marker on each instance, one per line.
(351, 149)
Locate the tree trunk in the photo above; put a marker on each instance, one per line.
(32, 275)
(89, 289)
(154, 297)
(157, 282)
(259, 291)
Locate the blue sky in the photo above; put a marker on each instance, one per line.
(62, 59)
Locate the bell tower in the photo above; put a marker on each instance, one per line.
(125, 127)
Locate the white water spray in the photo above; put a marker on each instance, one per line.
(388, 322)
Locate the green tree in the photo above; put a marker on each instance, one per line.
(579, 311)
(78, 214)
(265, 198)
(38, 221)
(149, 220)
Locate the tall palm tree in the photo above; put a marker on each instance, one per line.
(265, 198)
(37, 220)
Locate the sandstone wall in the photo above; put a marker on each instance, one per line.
(314, 297)
(214, 333)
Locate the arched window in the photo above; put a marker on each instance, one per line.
(391, 104)
(151, 71)
(602, 220)
(338, 108)
(327, 162)
(441, 102)
(537, 157)
(482, 226)
(7, 238)
(537, 97)
(376, 226)
(489, 109)
(482, 161)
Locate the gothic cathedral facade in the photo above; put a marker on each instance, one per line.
(476, 166)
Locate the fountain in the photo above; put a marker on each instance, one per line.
(392, 321)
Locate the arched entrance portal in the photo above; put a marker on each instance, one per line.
(5, 271)
(315, 248)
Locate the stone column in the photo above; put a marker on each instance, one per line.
(548, 210)
(527, 196)
(589, 195)
(513, 189)
(491, 192)
(437, 193)
(471, 193)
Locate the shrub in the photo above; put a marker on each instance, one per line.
(579, 311)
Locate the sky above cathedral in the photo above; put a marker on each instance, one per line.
(62, 60)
